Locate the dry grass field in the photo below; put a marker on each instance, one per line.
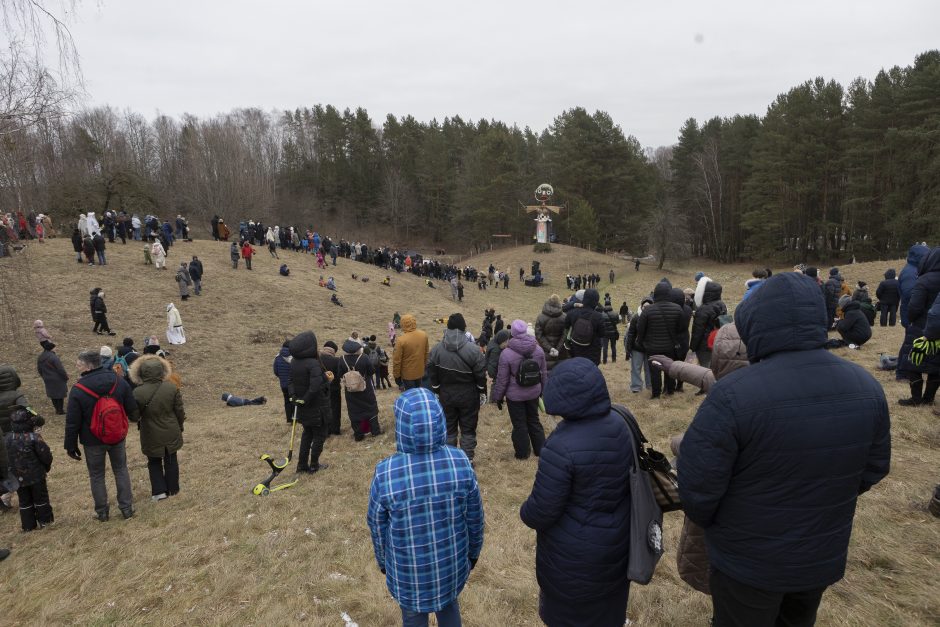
(216, 554)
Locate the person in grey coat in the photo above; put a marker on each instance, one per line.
(54, 376)
(183, 280)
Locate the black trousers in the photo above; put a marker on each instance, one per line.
(659, 379)
(34, 505)
(738, 605)
(164, 474)
(59, 404)
(101, 323)
(889, 314)
(311, 445)
(526, 427)
(336, 413)
(462, 417)
(288, 406)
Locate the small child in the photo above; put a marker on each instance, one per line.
(384, 381)
(285, 271)
(40, 233)
(42, 335)
(387, 281)
(148, 258)
(391, 334)
(238, 401)
(30, 460)
(335, 300)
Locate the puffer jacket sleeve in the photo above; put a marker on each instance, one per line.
(706, 459)
(693, 374)
(540, 336)
(502, 376)
(43, 454)
(932, 330)
(550, 491)
(917, 304)
(879, 455)
(700, 322)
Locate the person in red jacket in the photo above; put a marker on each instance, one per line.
(247, 253)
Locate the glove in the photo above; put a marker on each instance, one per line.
(499, 404)
(661, 362)
(482, 400)
(75, 454)
(553, 352)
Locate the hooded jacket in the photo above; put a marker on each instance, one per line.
(160, 404)
(660, 326)
(282, 366)
(778, 453)
(550, 331)
(580, 501)
(53, 374)
(81, 405)
(889, 291)
(908, 277)
(307, 381)
(932, 330)
(457, 369)
(854, 326)
(706, 316)
(587, 310)
(521, 346)
(924, 293)
(28, 455)
(360, 405)
(425, 511)
(411, 351)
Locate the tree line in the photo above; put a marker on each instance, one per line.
(828, 172)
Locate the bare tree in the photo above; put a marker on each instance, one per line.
(30, 24)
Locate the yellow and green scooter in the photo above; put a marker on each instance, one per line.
(277, 466)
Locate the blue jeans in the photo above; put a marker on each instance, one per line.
(447, 616)
(639, 368)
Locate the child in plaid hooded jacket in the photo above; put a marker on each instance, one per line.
(425, 513)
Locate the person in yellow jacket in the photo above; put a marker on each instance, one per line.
(411, 354)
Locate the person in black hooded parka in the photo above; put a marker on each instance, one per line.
(580, 503)
(923, 295)
(588, 309)
(889, 297)
(776, 457)
(706, 319)
(310, 389)
(658, 332)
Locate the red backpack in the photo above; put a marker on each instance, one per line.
(108, 418)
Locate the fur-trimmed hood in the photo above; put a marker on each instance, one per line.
(149, 369)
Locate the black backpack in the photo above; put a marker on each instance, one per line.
(582, 331)
(529, 373)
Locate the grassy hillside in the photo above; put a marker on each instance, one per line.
(216, 554)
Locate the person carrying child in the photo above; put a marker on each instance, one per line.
(29, 461)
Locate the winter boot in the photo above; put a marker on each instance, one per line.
(930, 391)
(374, 426)
(917, 398)
(28, 517)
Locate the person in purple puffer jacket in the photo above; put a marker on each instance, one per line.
(523, 399)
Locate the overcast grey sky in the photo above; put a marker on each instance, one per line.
(651, 65)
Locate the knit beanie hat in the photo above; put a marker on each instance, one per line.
(47, 345)
(456, 321)
(845, 300)
(518, 328)
(699, 275)
(330, 344)
(579, 295)
(502, 336)
(106, 352)
(833, 271)
(811, 272)
(128, 341)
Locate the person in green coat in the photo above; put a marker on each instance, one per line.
(161, 422)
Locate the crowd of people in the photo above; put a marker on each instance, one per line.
(740, 462)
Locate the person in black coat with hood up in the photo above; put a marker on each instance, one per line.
(658, 330)
(853, 327)
(923, 294)
(310, 390)
(585, 344)
(580, 503)
(776, 458)
(889, 297)
(706, 320)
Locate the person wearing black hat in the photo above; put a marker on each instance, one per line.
(458, 376)
(54, 376)
(330, 363)
(362, 406)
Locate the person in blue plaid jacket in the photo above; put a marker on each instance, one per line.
(425, 514)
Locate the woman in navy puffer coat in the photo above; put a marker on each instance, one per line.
(925, 290)
(580, 503)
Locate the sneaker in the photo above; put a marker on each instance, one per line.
(102, 516)
(910, 402)
(158, 497)
(318, 468)
(127, 513)
(112, 333)
(854, 346)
